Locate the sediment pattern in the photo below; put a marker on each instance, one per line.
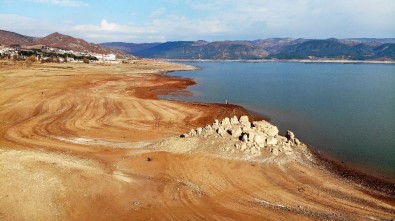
(71, 148)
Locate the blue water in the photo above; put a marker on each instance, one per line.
(345, 111)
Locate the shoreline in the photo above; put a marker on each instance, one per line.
(354, 173)
(307, 61)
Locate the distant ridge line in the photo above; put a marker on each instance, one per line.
(376, 49)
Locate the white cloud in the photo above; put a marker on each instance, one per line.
(305, 18)
(109, 27)
(68, 3)
(170, 27)
(27, 26)
(229, 20)
(157, 13)
(103, 26)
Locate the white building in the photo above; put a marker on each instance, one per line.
(105, 57)
(110, 57)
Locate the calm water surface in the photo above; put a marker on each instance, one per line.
(346, 111)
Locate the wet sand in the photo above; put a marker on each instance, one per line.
(76, 144)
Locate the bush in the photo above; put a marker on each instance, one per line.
(86, 61)
(32, 58)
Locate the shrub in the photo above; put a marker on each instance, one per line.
(32, 58)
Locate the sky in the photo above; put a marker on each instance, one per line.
(211, 20)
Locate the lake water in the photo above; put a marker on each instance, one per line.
(345, 111)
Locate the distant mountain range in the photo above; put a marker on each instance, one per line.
(55, 40)
(273, 48)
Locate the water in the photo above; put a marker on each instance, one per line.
(345, 111)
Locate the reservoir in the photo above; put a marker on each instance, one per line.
(344, 111)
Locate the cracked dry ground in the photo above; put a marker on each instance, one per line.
(75, 145)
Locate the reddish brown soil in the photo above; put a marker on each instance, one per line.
(70, 149)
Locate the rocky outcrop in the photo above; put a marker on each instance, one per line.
(249, 137)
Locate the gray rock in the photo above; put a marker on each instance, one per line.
(208, 130)
(266, 128)
(274, 151)
(225, 121)
(215, 124)
(221, 131)
(245, 138)
(271, 141)
(244, 122)
(244, 119)
(251, 136)
(199, 131)
(290, 135)
(234, 121)
(235, 132)
(259, 140)
(192, 133)
(246, 128)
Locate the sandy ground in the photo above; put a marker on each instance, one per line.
(85, 142)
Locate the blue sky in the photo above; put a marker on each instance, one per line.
(167, 20)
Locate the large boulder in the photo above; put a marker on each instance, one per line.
(235, 132)
(208, 130)
(251, 136)
(244, 119)
(221, 131)
(215, 124)
(225, 121)
(244, 122)
(290, 135)
(192, 133)
(260, 140)
(266, 128)
(199, 131)
(271, 141)
(245, 138)
(297, 141)
(234, 121)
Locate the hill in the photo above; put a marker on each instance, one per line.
(57, 40)
(129, 48)
(386, 51)
(272, 48)
(330, 48)
(204, 50)
(338, 49)
(9, 38)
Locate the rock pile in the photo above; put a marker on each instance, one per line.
(249, 137)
